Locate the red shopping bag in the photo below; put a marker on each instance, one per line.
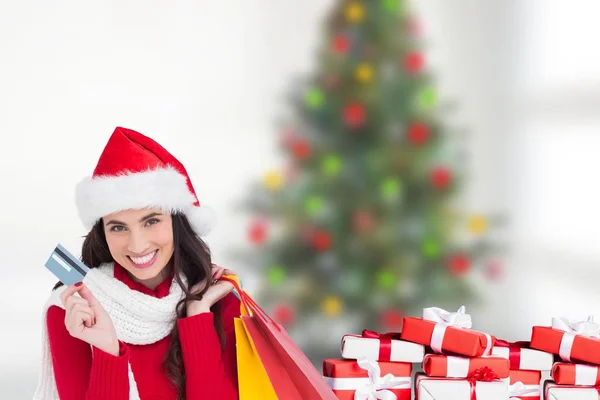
(292, 374)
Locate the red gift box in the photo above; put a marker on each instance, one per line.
(525, 385)
(346, 377)
(462, 367)
(447, 332)
(575, 374)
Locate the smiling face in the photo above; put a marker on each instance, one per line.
(141, 241)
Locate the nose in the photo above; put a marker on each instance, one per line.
(138, 242)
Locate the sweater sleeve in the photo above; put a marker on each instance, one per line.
(82, 371)
(210, 372)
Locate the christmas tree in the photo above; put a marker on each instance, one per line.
(362, 224)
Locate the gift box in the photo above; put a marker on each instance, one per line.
(524, 385)
(575, 374)
(522, 356)
(553, 391)
(381, 347)
(573, 341)
(365, 379)
(462, 367)
(447, 332)
(486, 388)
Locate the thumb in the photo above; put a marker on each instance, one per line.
(87, 294)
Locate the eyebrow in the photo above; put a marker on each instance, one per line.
(115, 222)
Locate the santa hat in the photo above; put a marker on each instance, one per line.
(136, 172)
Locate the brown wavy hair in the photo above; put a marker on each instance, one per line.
(192, 259)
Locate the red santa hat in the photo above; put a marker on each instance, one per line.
(136, 172)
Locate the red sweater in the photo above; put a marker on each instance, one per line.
(86, 372)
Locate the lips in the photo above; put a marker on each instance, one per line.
(144, 261)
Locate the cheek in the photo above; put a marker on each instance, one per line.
(116, 244)
(164, 237)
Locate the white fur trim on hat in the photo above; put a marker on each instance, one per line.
(165, 189)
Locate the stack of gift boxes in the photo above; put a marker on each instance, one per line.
(459, 363)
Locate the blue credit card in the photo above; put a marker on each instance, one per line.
(65, 266)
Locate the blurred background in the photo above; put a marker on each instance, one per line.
(367, 158)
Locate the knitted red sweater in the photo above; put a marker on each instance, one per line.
(85, 372)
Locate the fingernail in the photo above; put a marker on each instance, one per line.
(78, 284)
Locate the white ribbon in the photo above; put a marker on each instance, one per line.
(457, 367)
(444, 319)
(586, 374)
(573, 328)
(371, 388)
(519, 389)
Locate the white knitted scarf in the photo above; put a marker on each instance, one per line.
(138, 319)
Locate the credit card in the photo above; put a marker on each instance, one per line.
(65, 266)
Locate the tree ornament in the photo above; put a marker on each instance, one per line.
(301, 148)
(283, 314)
(332, 165)
(458, 264)
(431, 248)
(391, 319)
(364, 73)
(362, 221)
(332, 306)
(418, 133)
(413, 62)
(354, 115)
(273, 180)
(478, 225)
(257, 233)
(386, 279)
(313, 205)
(340, 44)
(354, 12)
(314, 98)
(390, 188)
(321, 240)
(276, 275)
(441, 178)
(427, 98)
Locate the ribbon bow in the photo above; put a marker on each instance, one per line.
(483, 374)
(585, 328)
(385, 342)
(377, 386)
(457, 319)
(519, 389)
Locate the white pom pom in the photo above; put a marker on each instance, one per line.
(202, 219)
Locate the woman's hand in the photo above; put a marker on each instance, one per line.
(216, 291)
(87, 320)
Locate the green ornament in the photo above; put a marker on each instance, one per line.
(390, 188)
(431, 248)
(276, 275)
(391, 5)
(313, 205)
(428, 98)
(314, 98)
(386, 279)
(332, 165)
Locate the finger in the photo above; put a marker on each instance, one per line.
(69, 291)
(219, 273)
(86, 293)
(71, 301)
(80, 308)
(83, 319)
(229, 272)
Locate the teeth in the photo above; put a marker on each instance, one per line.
(143, 260)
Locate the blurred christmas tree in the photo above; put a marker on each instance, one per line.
(361, 226)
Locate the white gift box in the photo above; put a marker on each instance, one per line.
(554, 391)
(458, 389)
(530, 359)
(355, 347)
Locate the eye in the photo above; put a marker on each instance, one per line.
(117, 228)
(152, 221)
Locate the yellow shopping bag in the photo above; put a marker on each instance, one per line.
(253, 381)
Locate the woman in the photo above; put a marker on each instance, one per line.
(150, 320)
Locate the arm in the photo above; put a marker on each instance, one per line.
(82, 371)
(211, 374)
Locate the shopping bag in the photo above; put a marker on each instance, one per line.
(290, 372)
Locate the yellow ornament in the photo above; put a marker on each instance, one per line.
(355, 12)
(273, 180)
(364, 73)
(478, 224)
(332, 306)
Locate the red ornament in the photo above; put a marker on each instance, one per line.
(321, 241)
(441, 178)
(459, 264)
(494, 270)
(362, 221)
(418, 133)
(257, 232)
(283, 314)
(354, 115)
(413, 62)
(340, 44)
(301, 148)
(391, 319)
